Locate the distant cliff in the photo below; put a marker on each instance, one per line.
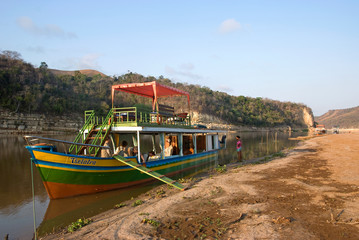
(305, 119)
(344, 118)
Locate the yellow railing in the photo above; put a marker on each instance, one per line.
(135, 116)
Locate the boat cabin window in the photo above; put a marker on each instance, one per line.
(171, 145)
(215, 141)
(124, 144)
(212, 142)
(188, 146)
(150, 147)
(201, 143)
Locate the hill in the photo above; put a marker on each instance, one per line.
(88, 72)
(26, 89)
(344, 118)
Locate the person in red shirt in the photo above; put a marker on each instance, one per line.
(239, 148)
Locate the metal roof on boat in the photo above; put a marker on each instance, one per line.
(152, 90)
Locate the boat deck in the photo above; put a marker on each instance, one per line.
(134, 116)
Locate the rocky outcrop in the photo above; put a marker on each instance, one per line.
(209, 121)
(305, 119)
(308, 118)
(35, 123)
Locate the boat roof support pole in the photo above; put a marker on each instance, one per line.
(113, 95)
(153, 143)
(194, 141)
(189, 105)
(154, 99)
(139, 147)
(180, 142)
(162, 144)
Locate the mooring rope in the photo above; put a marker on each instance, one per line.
(33, 199)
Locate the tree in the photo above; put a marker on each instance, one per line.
(43, 66)
(11, 55)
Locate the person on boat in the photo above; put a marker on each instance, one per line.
(106, 152)
(189, 149)
(123, 150)
(175, 150)
(168, 148)
(239, 148)
(150, 154)
(135, 153)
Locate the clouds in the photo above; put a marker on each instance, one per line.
(225, 88)
(184, 70)
(49, 30)
(89, 61)
(37, 49)
(229, 25)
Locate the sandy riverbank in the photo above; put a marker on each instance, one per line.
(312, 193)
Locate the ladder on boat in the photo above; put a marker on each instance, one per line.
(89, 124)
(96, 135)
(150, 172)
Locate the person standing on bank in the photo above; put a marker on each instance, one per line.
(239, 148)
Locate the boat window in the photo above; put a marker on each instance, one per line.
(188, 147)
(212, 142)
(171, 143)
(124, 144)
(201, 143)
(150, 147)
(215, 141)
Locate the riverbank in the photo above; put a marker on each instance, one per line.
(309, 194)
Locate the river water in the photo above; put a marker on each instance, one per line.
(16, 205)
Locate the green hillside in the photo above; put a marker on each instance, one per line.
(38, 90)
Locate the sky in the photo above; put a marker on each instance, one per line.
(302, 51)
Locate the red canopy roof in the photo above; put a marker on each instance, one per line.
(152, 90)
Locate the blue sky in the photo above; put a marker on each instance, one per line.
(292, 50)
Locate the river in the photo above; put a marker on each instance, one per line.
(16, 205)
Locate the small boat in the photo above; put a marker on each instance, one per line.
(320, 129)
(335, 130)
(128, 146)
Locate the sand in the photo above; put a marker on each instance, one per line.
(311, 193)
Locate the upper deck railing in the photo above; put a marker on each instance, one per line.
(133, 116)
(136, 116)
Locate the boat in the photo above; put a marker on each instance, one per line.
(129, 146)
(335, 129)
(320, 129)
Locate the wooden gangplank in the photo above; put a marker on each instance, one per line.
(150, 172)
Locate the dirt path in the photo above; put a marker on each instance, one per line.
(312, 193)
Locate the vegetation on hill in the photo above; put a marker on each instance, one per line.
(38, 90)
(344, 118)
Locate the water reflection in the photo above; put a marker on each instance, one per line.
(256, 144)
(16, 196)
(61, 212)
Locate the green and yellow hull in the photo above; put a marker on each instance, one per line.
(66, 175)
